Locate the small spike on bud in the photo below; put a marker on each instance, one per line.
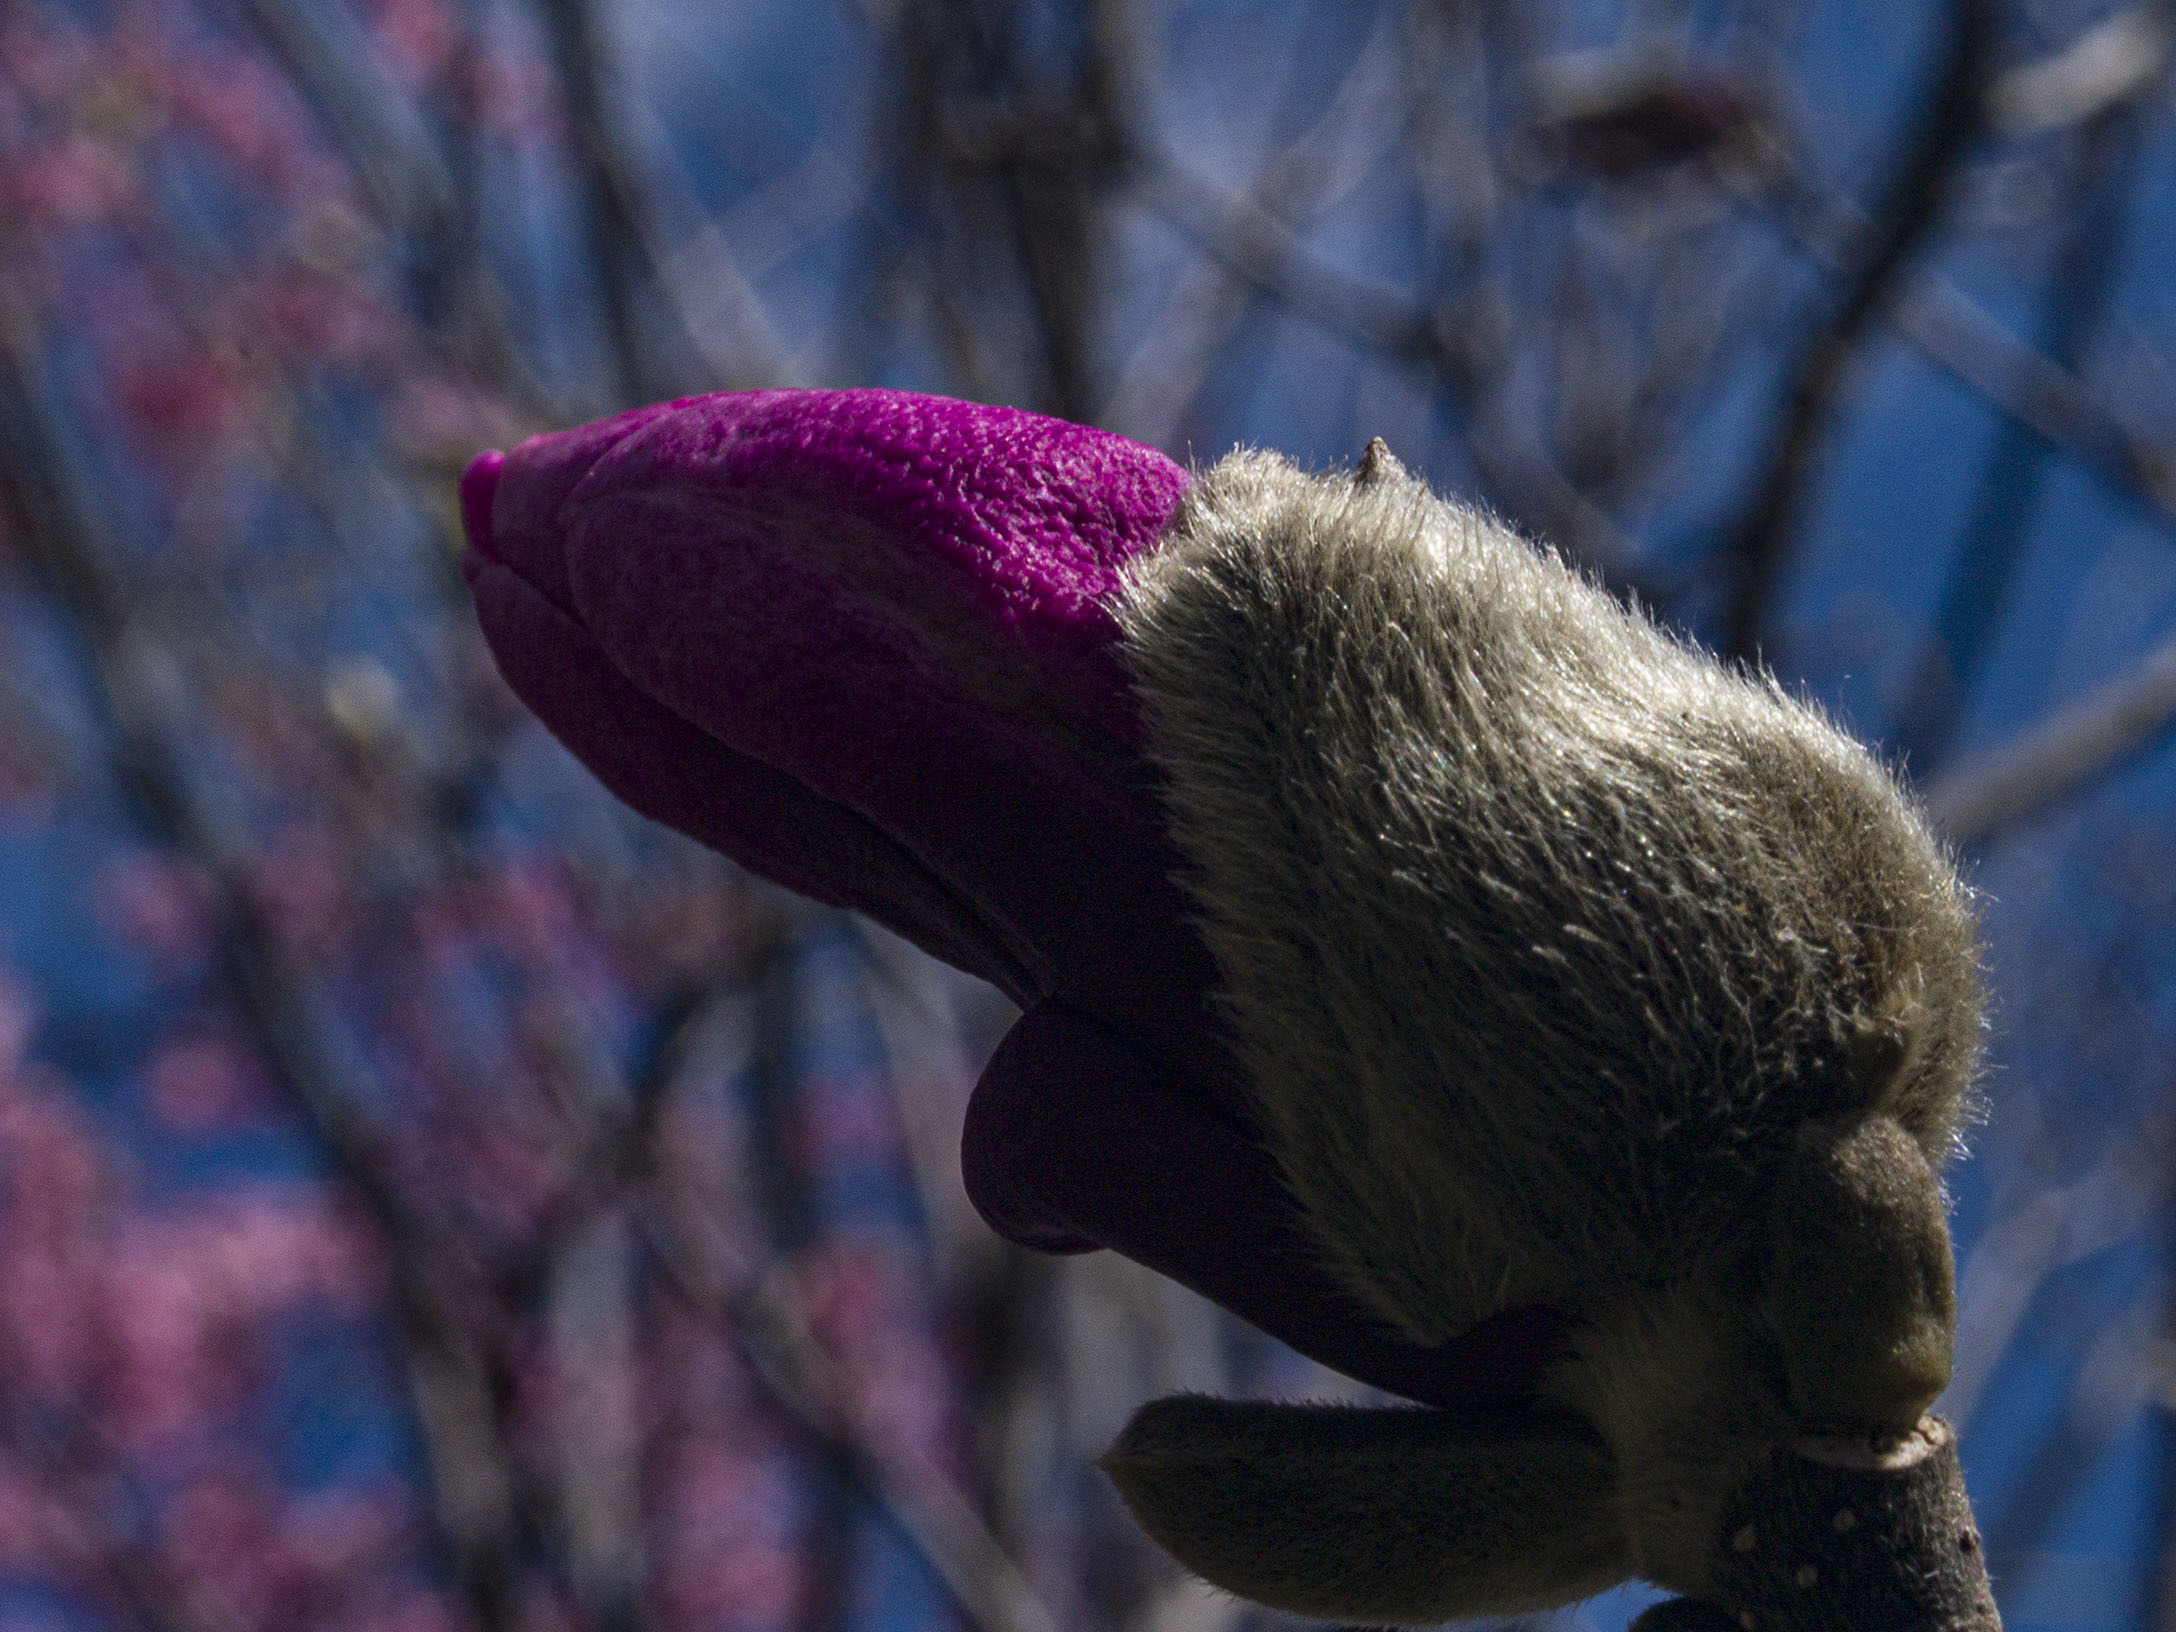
(1378, 465)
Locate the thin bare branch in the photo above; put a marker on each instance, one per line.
(141, 693)
(1951, 119)
(928, 1511)
(626, 254)
(703, 280)
(1999, 527)
(2039, 1234)
(1261, 249)
(1162, 377)
(1960, 335)
(2053, 759)
(1030, 157)
(1957, 333)
(926, 1063)
(609, 200)
(324, 52)
(2115, 62)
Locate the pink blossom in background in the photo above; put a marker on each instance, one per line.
(71, 182)
(252, 119)
(447, 417)
(340, 1534)
(55, 1214)
(197, 1084)
(221, 1547)
(842, 1119)
(157, 903)
(417, 37)
(26, 768)
(178, 1356)
(38, 1532)
(43, 56)
(511, 91)
(318, 316)
(300, 886)
(726, 1531)
(60, 1181)
(189, 400)
(18, 1019)
(865, 1304)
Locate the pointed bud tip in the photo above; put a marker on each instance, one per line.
(479, 485)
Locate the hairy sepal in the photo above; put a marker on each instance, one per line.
(1400, 1516)
(1541, 932)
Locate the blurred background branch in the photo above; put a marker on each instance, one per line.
(1943, 130)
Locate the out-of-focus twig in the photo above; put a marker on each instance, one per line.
(1976, 597)
(702, 279)
(1026, 157)
(777, 1010)
(2038, 1235)
(1949, 120)
(2113, 63)
(1262, 250)
(2162, 1616)
(926, 1062)
(762, 1317)
(1255, 245)
(596, 1423)
(611, 207)
(624, 254)
(138, 686)
(2051, 760)
(324, 54)
(1960, 336)
(927, 1510)
(1158, 383)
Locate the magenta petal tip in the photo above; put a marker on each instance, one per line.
(479, 483)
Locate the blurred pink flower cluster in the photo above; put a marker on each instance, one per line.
(386, 1159)
(156, 1314)
(149, 1326)
(108, 134)
(138, 1338)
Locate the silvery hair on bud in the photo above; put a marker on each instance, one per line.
(1568, 966)
(1542, 932)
